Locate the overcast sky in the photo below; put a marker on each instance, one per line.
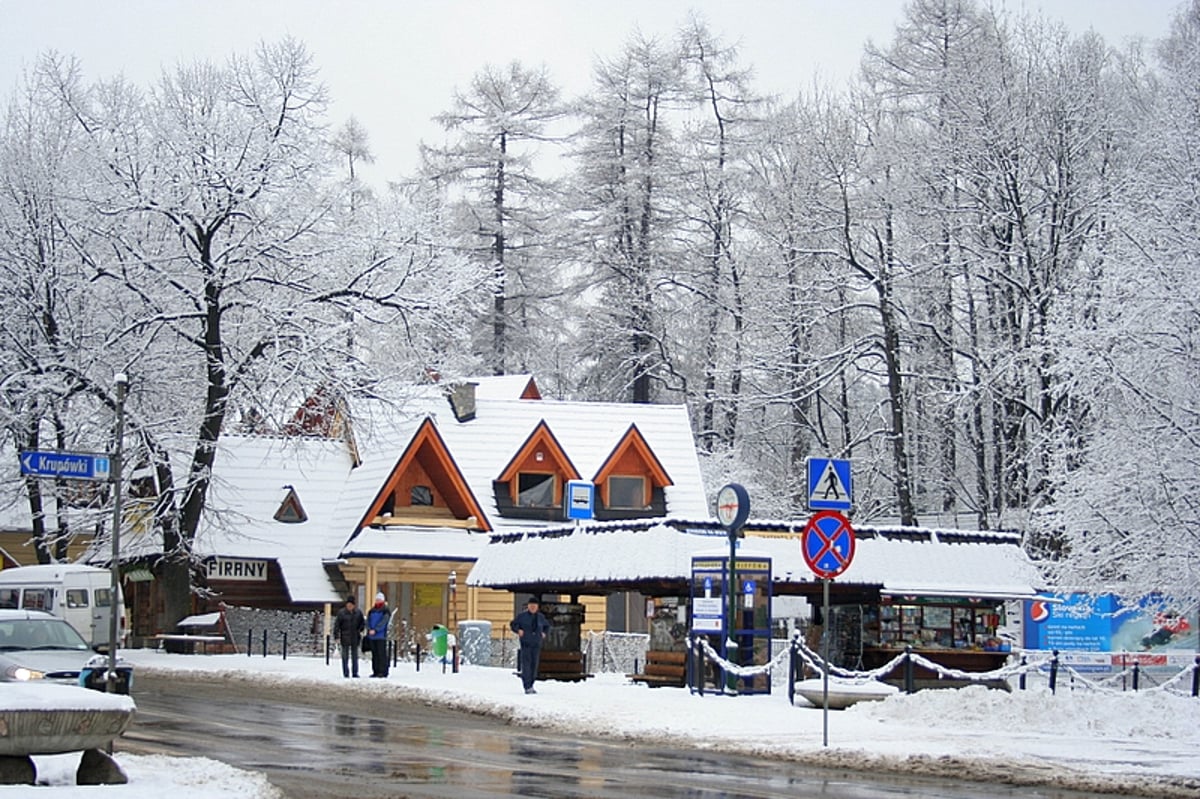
(394, 64)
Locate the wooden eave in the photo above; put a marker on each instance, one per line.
(634, 440)
(435, 458)
(557, 457)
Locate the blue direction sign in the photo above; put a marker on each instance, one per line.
(829, 486)
(72, 465)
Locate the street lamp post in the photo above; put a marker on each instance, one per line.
(122, 386)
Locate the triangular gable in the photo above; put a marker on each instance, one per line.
(427, 458)
(290, 510)
(553, 457)
(531, 391)
(632, 456)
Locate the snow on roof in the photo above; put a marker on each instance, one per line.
(500, 386)
(251, 478)
(482, 446)
(424, 543)
(899, 560)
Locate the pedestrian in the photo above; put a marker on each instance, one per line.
(347, 631)
(377, 628)
(531, 628)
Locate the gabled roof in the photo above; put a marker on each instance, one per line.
(542, 438)
(506, 387)
(486, 445)
(428, 447)
(634, 442)
(251, 476)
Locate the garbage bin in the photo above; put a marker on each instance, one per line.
(438, 643)
(475, 638)
(92, 675)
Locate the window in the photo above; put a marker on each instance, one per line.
(535, 490)
(9, 597)
(420, 495)
(103, 597)
(626, 492)
(77, 598)
(37, 599)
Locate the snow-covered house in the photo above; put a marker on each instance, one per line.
(401, 496)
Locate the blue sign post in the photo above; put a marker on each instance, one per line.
(71, 465)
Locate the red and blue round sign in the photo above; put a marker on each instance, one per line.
(828, 544)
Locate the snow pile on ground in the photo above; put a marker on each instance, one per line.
(1144, 744)
(150, 777)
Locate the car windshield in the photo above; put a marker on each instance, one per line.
(19, 634)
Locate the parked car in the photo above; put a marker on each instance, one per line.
(35, 645)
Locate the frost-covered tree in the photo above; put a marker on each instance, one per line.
(500, 201)
(237, 272)
(1127, 513)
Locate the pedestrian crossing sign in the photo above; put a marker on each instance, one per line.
(829, 485)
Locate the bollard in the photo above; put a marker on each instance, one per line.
(701, 668)
(285, 644)
(264, 643)
(250, 642)
(636, 663)
(326, 650)
(1196, 677)
(909, 683)
(792, 674)
(454, 656)
(1053, 669)
(417, 655)
(1021, 679)
(1136, 671)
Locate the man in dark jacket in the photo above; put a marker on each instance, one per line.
(377, 629)
(531, 628)
(347, 631)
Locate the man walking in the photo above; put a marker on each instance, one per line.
(377, 627)
(531, 628)
(347, 631)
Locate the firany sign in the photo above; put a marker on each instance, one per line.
(237, 569)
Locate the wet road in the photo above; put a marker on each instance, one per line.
(369, 749)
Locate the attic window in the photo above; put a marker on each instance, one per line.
(535, 490)
(290, 510)
(420, 495)
(627, 492)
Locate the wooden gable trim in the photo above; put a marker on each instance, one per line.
(290, 510)
(531, 391)
(634, 441)
(556, 457)
(428, 439)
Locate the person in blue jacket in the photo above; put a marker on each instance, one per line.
(531, 628)
(377, 627)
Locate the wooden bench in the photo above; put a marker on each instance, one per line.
(192, 639)
(561, 666)
(663, 668)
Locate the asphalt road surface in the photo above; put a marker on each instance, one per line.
(329, 746)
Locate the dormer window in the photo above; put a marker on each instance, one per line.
(420, 496)
(628, 493)
(531, 485)
(536, 490)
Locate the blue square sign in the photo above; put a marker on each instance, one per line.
(829, 485)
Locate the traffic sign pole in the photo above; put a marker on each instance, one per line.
(825, 671)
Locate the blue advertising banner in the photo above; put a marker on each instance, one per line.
(1106, 623)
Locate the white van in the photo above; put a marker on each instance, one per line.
(82, 595)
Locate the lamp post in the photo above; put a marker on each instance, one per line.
(122, 386)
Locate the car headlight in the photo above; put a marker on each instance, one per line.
(22, 674)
